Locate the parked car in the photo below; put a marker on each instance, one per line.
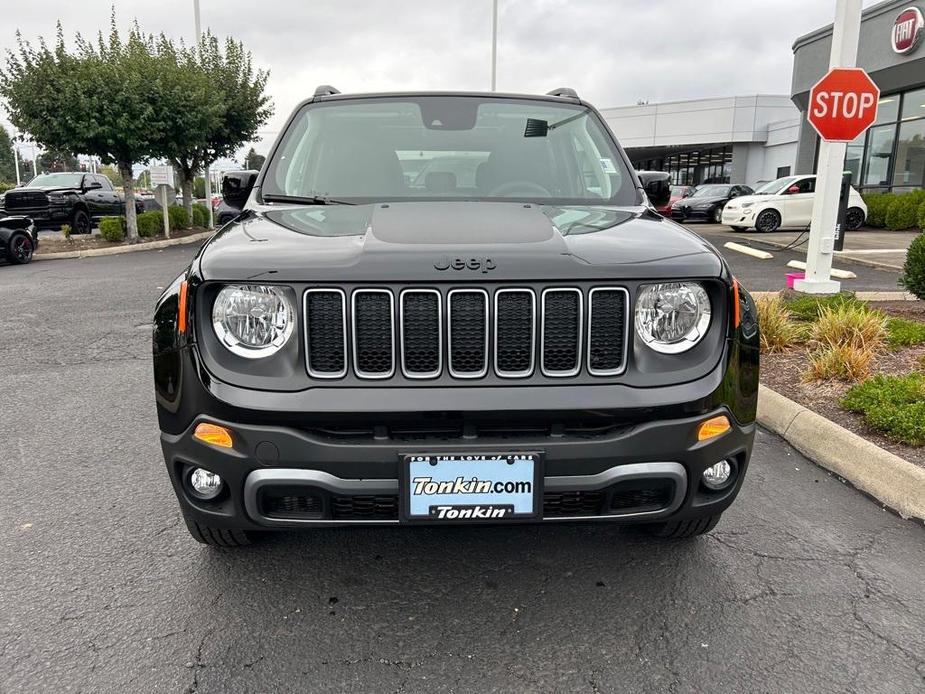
(78, 199)
(706, 203)
(677, 193)
(19, 240)
(786, 203)
(537, 346)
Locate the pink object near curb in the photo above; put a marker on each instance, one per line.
(791, 276)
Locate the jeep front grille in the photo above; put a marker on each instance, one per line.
(466, 333)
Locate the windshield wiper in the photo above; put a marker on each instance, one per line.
(306, 199)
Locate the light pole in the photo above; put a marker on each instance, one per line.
(16, 160)
(494, 43)
(205, 168)
(819, 251)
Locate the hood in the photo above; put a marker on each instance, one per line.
(736, 202)
(44, 189)
(453, 242)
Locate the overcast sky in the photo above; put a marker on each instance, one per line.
(613, 52)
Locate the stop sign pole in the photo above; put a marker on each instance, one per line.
(845, 33)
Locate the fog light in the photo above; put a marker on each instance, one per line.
(718, 476)
(206, 485)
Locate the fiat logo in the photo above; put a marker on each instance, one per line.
(907, 29)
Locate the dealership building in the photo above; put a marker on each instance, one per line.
(749, 139)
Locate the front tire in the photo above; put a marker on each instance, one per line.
(768, 221)
(854, 218)
(717, 215)
(80, 222)
(217, 537)
(19, 249)
(677, 530)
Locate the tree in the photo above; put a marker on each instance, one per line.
(235, 107)
(113, 174)
(57, 160)
(253, 160)
(7, 160)
(107, 98)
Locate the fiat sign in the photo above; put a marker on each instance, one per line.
(907, 29)
(843, 104)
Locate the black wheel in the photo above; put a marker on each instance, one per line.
(80, 222)
(854, 218)
(19, 249)
(217, 537)
(769, 220)
(676, 530)
(739, 229)
(717, 215)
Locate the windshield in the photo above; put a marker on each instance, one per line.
(64, 180)
(710, 191)
(774, 186)
(681, 191)
(448, 148)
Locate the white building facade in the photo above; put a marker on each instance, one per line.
(739, 139)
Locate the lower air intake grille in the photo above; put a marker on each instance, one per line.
(572, 504)
(364, 507)
(373, 333)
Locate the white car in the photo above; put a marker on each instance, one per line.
(786, 203)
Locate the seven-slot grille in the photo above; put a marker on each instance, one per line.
(466, 333)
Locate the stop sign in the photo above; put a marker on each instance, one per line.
(843, 104)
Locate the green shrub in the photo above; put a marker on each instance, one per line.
(903, 211)
(150, 224)
(6, 186)
(893, 404)
(113, 229)
(921, 216)
(913, 277)
(179, 219)
(200, 215)
(807, 307)
(877, 206)
(904, 333)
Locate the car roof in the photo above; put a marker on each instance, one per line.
(409, 94)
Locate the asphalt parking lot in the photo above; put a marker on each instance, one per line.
(805, 586)
(770, 275)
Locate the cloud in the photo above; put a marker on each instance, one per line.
(613, 52)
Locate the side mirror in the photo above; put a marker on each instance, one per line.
(793, 190)
(237, 186)
(657, 186)
(94, 185)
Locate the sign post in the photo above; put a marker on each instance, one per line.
(842, 105)
(162, 178)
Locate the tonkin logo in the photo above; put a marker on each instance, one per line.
(907, 29)
(475, 264)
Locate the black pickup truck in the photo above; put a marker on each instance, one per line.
(514, 336)
(54, 199)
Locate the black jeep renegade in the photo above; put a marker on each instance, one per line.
(453, 308)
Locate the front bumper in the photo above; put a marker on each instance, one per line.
(43, 217)
(739, 217)
(685, 214)
(357, 481)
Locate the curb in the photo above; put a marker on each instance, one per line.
(890, 479)
(863, 296)
(838, 254)
(119, 250)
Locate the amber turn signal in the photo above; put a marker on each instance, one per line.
(213, 434)
(713, 427)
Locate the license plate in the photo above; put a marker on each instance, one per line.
(471, 487)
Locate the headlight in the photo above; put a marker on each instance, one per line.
(672, 317)
(747, 204)
(252, 320)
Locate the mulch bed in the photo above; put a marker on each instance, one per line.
(83, 243)
(783, 372)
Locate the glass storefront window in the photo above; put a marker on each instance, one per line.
(879, 154)
(913, 104)
(887, 109)
(910, 153)
(854, 155)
